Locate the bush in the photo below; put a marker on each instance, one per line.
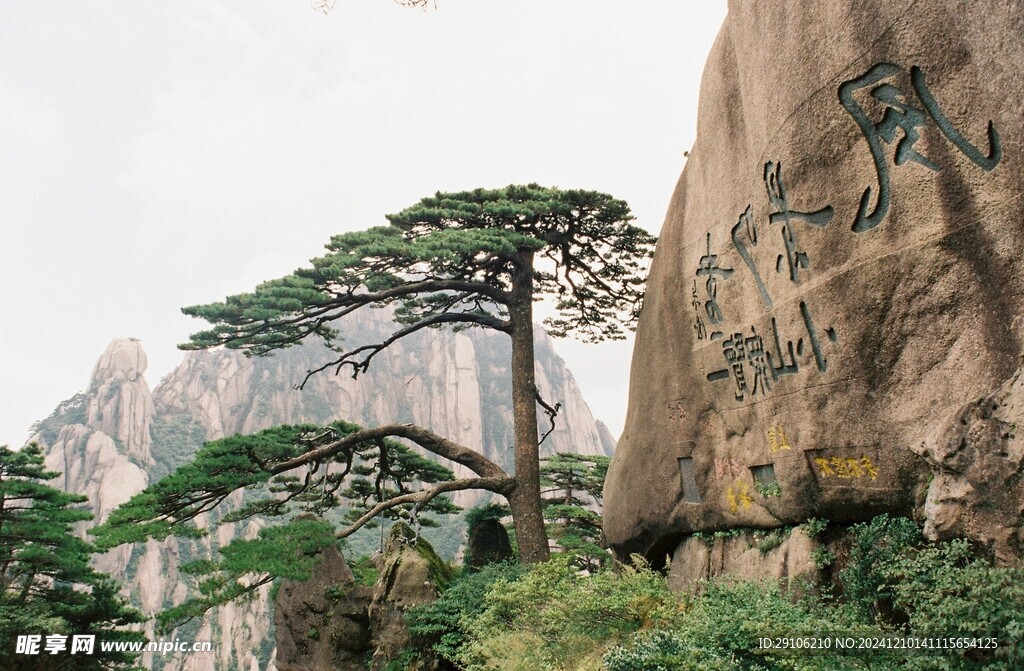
(662, 650)
(947, 591)
(555, 616)
(439, 626)
(876, 545)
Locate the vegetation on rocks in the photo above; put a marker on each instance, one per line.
(892, 585)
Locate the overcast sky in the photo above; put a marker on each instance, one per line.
(161, 154)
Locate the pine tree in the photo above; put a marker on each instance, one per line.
(472, 259)
(573, 487)
(46, 584)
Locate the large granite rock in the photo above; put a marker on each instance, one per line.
(839, 271)
(487, 542)
(411, 575)
(978, 486)
(322, 623)
(784, 555)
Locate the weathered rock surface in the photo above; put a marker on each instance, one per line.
(839, 272)
(120, 404)
(322, 624)
(487, 542)
(978, 488)
(411, 575)
(782, 555)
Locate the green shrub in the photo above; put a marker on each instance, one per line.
(662, 650)
(555, 616)
(439, 626)
(875, 546)
(729, 618)
(364, 570)
(946, 591)
(814, 527)
(823, 557)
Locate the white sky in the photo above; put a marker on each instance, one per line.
(161, 154)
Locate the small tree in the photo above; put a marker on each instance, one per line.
(573, 487)
(472, 259)
(46, 584)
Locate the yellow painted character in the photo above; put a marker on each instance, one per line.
(839, 466)
(783, 441)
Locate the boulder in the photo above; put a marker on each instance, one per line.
(785, 555)
(487, 543)
(838, 274)
(411, 575)
(322, 623)
(978, 486)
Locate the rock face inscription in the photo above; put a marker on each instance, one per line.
(839, 269)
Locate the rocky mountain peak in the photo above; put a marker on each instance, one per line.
(120, 402)
(124, 360)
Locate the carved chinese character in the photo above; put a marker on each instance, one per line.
(824, 470)
(781, 212)
(777, 439)
(746, 228)
(758, 360)
(901, 119)
(738, 495)
(784, 368)
(838, 465)
(698, 325)
(708, 267)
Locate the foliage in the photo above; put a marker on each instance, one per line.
(264, 463)
(947, 591)
(823, 557)
(350, 474)
(440, 626)
(46, 583)
(471, 259)
(768, 540)
(71, 411)
(491, 511)
(558, 618)
(661, 650)
(876, 545)
(175, 440)
(555, 614)
(454, 254)
(814, 527)
(282, 551)
(364, 570)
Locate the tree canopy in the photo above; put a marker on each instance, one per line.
(452, 259)
(47, 587)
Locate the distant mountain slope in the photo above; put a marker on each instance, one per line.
(110, 441)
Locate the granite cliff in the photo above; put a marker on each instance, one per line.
(110, 441)
(833, 320)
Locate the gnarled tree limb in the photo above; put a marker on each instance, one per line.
(498, 485)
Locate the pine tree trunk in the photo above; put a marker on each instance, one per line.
(525, 498)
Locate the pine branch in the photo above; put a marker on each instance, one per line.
(361, 364)
(498, 485)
